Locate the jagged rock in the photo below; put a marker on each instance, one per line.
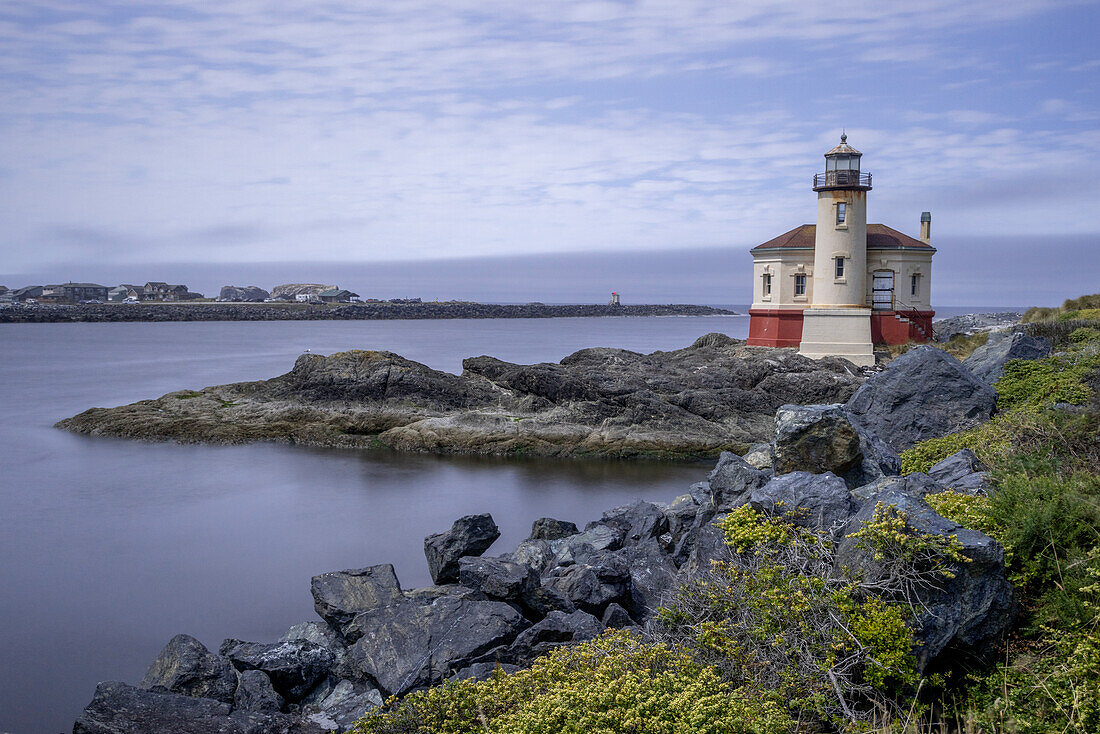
(965, 616)
(469, 536)
(340, 595)
(988, 361)
(428, 594)
(345, 704)
(818, 501)
(255, 693)
(321, 634)
(555, 630)
(633, 523)
(411, 645)
(972, 323)
(924, 393)
(293, 666)
(118, 708)
(615, 617)
(547, 528)
(535, 554)
(483, 671)
(186, 667)
(498, 578)
(827, 438)
(731, 479)
(760, 456)
(956, 466)
(977, 483)
(917, 484)
(593, 582)
(247, 293)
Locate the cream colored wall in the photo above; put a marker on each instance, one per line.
(904, 263)
(848, 240)
(783, 267)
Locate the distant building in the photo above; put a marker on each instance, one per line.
(19, 295)
(337, 295)
(842, 285)
(73, 292)
(307, 298)
(120, 293)
(160, 291)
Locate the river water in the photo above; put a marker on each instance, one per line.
(110, 547)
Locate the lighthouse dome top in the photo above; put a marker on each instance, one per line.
(843, 148)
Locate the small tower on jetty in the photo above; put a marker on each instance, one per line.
(837, 287)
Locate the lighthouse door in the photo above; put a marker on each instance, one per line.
(882, 290)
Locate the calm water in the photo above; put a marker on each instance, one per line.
(110, 547)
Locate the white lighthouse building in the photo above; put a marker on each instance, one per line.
(839, 287)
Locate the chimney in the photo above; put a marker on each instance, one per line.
(926, 227)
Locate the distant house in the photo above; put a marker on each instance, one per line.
(120, 293)
(307, 298)
(74, 292)
(19, 295)
(160, 291)
(337, 295)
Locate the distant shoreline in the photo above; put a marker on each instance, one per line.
(159, 312)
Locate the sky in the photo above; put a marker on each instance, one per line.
(543, 144)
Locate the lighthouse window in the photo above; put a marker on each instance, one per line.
(767, 284)
(840, 267)
(914, 284)
(841, 212)
(800, 285)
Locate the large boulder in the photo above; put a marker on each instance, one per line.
(186, 667)
(553, 631)
(987, 363)
(340, 595)
(248, 293)
(593, 582)
(827, 438)
(469, 536)
(412, 645)
(962, 472)
(547, 528)
(294, 666)
(731, 479)
(255, 693)
(118, 708)
(959, 619)
(498, 578)
(818, 501)
(345, 704)
(924, 393)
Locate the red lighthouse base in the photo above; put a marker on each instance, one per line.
(775, 327)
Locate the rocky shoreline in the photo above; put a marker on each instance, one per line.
(717, 394)
(834, 463)
(113, 312)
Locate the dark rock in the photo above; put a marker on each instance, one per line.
(652, 577)
(760, 456)
(345, 704)
(615, 617)
(731, 479)
(412, 645)
(186, 667)
(592, 583)
(955, 467)
(321, 634)
(972, 323)
(917, 484)
(255, 693)
(818, 501)
(633, 523)
(118, 708)
(244, 293)
(547, 528)
(535, 554)
(555, 630)
(961, 620)
(469, 536)
(483, 671)
(827, 438)
(498, 578)
(294, 666)
(339, 596)
(988, 361)
(428, 594)
(924, 393)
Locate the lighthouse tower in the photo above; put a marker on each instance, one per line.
(838, 323)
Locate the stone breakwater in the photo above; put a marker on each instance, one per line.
(331, 312)
(717, 394)
(564, 585)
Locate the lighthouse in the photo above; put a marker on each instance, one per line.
(839, 321)
(839, 286)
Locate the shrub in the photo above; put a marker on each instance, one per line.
(615, 683)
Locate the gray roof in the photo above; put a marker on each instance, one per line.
(844, 148)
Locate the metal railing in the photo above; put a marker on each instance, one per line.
(841, 178)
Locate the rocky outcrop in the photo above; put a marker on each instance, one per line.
(469, 536)
(924, 393)
(962, 472)
(828, 438)
(186, 667)
(291, 290)
(715, 395)
(973, 323)
(341, 595)
(293, 666)
(987, 362)
(243, 293)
